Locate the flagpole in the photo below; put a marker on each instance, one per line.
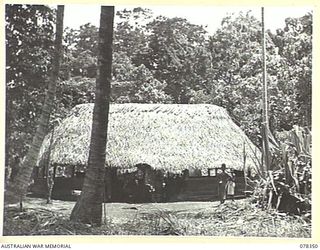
(265, 126)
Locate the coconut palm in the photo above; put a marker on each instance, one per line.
(18, 188)
(88, 209)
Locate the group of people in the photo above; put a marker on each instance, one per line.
(226, 184)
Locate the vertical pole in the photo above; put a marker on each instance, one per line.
(54, 170)
(244, 167)
(73, 171)
(50, 172)
(265, 126)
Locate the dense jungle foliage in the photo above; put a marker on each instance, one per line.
(159, 60)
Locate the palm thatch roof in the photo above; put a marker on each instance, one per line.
(172, 137)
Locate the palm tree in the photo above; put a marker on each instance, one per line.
(18, 188)
(88, 208)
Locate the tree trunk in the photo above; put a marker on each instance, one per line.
(88, 208)
(19, 186)
(50, 184)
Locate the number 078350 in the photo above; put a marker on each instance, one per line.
(309, 246)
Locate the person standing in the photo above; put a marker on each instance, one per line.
(223, 178)
(231, 185)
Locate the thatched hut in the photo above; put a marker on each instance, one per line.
(168, 137)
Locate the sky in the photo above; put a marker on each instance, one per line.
(210, 16)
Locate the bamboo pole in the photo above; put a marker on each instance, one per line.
(265, 126)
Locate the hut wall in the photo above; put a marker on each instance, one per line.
(124, 188)
(205, 188)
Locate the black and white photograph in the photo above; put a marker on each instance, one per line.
(158, 120)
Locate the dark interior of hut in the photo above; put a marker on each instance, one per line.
(142, 184)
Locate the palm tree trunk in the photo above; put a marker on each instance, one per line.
(88, 208)
(19, 186)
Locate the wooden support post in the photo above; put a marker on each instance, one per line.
(54, 170)
(73, 171)
(244, 166)
(50, 173)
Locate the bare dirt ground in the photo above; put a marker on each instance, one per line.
(238, 218)
(120, 212)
